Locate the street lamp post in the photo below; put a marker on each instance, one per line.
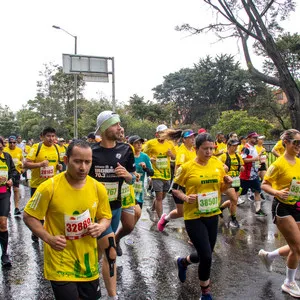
(75, 83)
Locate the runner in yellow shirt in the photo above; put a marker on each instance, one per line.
(234, 163)
(160, 151)
(17, 156)
(220, 146)
(278, 149)
(199, 183)
(186, 152)
(282, 180)
(43, 160)
(71, 225)
(62, 149)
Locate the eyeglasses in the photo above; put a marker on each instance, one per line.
(295, 142)
(12, 142)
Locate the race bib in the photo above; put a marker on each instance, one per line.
(236, 181)
(76, 226)
(112, 190)
(126, 195)
(46, 172)
(61, 156)
(208, 202)
(294, 192)
(162, 163)
(138, 185)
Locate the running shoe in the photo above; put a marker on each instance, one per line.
(265, 259)
(234, 223)
(17, 212)
(241, 200)
(251, 198)
(119, 249)
(6, 262)
(162, 223)
(206, 297)
(151, 214)
(181, 269)
(291, 288)
(260, 213)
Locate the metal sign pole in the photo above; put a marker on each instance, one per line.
(113, 84)
(75, 98)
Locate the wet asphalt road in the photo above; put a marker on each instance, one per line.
(147, 268)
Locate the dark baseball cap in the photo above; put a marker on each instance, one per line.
(134, 138)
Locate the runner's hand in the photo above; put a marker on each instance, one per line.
(58, 242)
(44, 163)
(192, 198)
(9, 183)
(121, 171)
(94, 230)
(283, 194)
(227, 179)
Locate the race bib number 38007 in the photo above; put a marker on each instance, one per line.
(76, 226)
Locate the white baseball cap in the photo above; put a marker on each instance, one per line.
(161, 127)
(106, 119)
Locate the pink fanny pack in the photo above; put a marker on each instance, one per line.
(3, 189)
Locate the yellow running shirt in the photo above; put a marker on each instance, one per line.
(234, 163)
(206, 182)
(17, 157)
(158, 150)
(183, 155)
(220, 147)
(39, 175)
(279, 148)
(67, 212)
(281, 174)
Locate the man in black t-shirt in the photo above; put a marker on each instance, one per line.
(112, 164)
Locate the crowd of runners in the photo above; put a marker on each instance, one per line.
(87, 194)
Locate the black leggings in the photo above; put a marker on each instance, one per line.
(203, 233)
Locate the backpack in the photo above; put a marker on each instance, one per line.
(228, 161)
(39, 149)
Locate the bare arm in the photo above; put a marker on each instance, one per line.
(57, 242)
(29, 164)
(267, 187)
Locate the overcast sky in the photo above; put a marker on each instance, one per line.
(139, 34)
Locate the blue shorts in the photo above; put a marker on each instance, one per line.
(115, 220)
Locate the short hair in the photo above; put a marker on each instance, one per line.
(48, 129)
(203, 137)
(76, 143)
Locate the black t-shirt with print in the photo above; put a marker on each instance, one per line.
(103, 168)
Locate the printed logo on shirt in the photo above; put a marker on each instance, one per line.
(118, 155)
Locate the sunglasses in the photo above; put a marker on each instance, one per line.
(295, 142)
(12, 142)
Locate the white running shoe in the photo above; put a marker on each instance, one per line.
(265, 260)
(241, 200)
(291, 288)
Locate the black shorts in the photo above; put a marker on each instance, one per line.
(254, 185)
(282, 210)
(67, 290)
(17, 180)
(4, 204)
(262, 167)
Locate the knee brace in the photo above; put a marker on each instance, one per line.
(111, 262)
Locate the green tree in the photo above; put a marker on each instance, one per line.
(199, 95)
(256, 20)
(241, 123)
(8, 123)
